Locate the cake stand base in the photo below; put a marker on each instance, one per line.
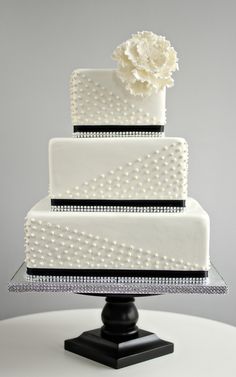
(119, 342)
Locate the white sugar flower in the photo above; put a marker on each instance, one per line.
(146, 63)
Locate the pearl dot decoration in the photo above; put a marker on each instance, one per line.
(93, 104)
(156, 175)
(85, 250)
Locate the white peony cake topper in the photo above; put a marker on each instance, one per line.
(146, 63)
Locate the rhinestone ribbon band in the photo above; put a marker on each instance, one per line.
(117, 272)
(107, 205)
(117, 134)
(118, 128)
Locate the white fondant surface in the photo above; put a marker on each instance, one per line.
(177, 241)
(99, 97)
(118, 168)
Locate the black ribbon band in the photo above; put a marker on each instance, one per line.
(117, 203)
(115, 272)
(119, 128)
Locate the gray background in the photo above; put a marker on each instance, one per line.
(41, 43)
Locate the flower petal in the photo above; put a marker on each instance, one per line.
(146, 63)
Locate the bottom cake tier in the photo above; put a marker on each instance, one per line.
(117, 244)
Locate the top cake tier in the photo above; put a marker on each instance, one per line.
(99, 98)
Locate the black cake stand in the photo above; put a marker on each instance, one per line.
(119, 342)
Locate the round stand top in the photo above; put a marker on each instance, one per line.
(33, 345)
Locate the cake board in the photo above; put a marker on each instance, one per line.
(119, 342)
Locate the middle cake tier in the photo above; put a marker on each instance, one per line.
(128, 173)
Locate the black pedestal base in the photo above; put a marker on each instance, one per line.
(119, 342)
(119, 354)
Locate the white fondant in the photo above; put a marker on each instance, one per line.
(178, 241)
(98, 97)
(118, 168)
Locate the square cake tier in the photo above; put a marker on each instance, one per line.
(98, 97)
(113, 170)
(83, 243)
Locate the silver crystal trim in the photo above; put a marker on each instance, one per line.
(117, 280)
(65, 208)
(118, 134)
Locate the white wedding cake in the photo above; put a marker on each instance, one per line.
(118, 202)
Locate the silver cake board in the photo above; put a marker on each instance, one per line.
(119, 342)
(213, 284)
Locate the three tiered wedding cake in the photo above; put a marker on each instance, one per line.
(118, 202)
